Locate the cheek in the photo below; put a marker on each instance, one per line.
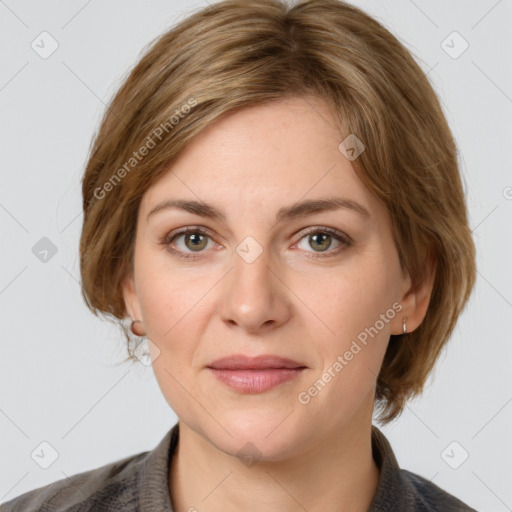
(357, 305)
(357, 298)
(165, 293)
(167, 304)
(158, 304)
(172, 303)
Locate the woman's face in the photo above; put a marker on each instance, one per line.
(267, 277)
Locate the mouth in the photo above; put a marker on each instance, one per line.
(264, 362)
(255, 374)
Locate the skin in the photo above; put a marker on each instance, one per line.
(314, 456)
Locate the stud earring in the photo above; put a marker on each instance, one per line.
(139, 348)
(134, 329)
(404, 326)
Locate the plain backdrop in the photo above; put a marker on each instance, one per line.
(59, 377)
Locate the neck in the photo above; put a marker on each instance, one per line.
(336, 474)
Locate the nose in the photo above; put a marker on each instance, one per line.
(255, 297)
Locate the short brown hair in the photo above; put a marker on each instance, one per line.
(238, 53)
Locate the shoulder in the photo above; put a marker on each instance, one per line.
(401, 490)
(429, 497)
(113, 486)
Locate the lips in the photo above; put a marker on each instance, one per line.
(253, 375)
(264, 362)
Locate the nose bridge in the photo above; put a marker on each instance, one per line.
(254, 296)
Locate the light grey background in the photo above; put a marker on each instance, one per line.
(58, 375)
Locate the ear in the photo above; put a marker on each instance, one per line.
(131, 300)
(415, 299)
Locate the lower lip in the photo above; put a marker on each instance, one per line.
(256, 381)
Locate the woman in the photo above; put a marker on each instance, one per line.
(273, 201)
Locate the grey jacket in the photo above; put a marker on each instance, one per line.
(139, 483)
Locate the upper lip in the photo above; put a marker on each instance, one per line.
(243, 362)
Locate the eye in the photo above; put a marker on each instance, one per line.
(193, 240)
(189, 240)
(321, 240)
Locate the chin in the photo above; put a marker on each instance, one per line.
(258, 435)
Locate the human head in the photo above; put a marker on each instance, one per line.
(238, 54)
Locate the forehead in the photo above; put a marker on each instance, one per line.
(263, 156)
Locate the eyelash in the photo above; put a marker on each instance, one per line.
(343, 239)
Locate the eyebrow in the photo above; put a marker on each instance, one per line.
(297, 210)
